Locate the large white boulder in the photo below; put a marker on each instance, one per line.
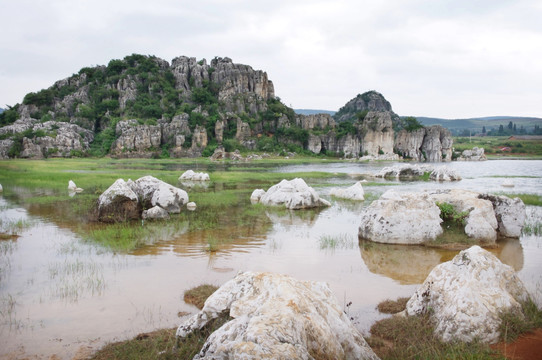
(194, 176)
(256, 196)
(277, 317)
(354, 192)
(118, 203)
(152, 191)
(293, 194)
(481, 223)
(466, 295)
(401, 218)
(71, 185)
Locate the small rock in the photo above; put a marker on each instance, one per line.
(191, 206)
(354, 192)
(155, 213)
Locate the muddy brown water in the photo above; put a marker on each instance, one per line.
(59, 295)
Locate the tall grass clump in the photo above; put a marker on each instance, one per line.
(332, 242)
(515, 323)
(197, 296)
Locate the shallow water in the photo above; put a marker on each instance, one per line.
(59, 294)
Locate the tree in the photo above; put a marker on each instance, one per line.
(510, 125)
(515, 130)
(483, 129)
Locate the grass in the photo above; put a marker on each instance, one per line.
(392, 306)
(528, 199)
(197, 296)
(516, 323)
(493, 144)
(340, 241)
(10, 229)
(162, 344)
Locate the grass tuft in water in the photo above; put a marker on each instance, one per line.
(332, 242)
(392, 306)
(197, 296)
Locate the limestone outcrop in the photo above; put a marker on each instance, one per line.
(277, 317)
(191, 175)
(466, 296)
(416, 171)
(430, 144)
(293, 194)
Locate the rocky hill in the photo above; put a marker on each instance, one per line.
(143, 106)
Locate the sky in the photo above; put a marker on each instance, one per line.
(437, 58)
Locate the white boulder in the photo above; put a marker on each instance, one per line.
(155, 213)
(73, 188)
(277, 317)
(256, 196)
(508, 183)
(354, 192)
(465, 296)
(403, 171)
(401, 218)
(152, 191)
(293, 194)
(194, 176)
(1, 188)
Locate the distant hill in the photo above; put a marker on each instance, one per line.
(312, 112)
(475, 125)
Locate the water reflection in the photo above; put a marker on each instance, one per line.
(410, 264)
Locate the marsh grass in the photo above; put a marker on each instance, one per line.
(10, 229)
(412, 337)
(392, 306)
(73, 279)
(340, 241)
(197, 296)
(514, 323)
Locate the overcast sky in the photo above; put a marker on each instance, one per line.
(449, 58)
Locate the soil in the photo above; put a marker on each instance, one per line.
(526, 347)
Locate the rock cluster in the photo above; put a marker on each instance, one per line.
(191, 175)
(414, 171)
(126, 200)
(414, 218)
(466, 296)
(293, 194)
(476, 154)
(277, 317)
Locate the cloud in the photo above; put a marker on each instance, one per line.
(448, 58)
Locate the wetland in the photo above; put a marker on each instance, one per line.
(69, 286)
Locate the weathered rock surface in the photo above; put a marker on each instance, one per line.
(5, 146)
(118, 203)
(191, 175)
(136, 139)
(354, 192)
(315, 121)
(256, 196)
(443, 173)
(431, 144)
(510, 214)
(152, 191)
(414, 171)
(277, 317)
(401, 218)
(476, 154)
(155, 213)
(465, 296)
(294, 194)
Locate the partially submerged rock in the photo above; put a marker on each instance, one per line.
(118, 203)
(190, 175)
(416, 171)
(277, 317)
(476, 154)
(414, 218)
(401, 218)
(443, 173)
(465, 296)
(354, 192)
(293, 194)
(124, 200)
(73, 188)
(155, 213)
(256, 196)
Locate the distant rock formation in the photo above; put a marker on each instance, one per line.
(476, 154)
(430, 144)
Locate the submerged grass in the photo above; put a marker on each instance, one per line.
(197, 296)
(340, 241)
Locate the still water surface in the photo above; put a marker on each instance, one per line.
(59, 295)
